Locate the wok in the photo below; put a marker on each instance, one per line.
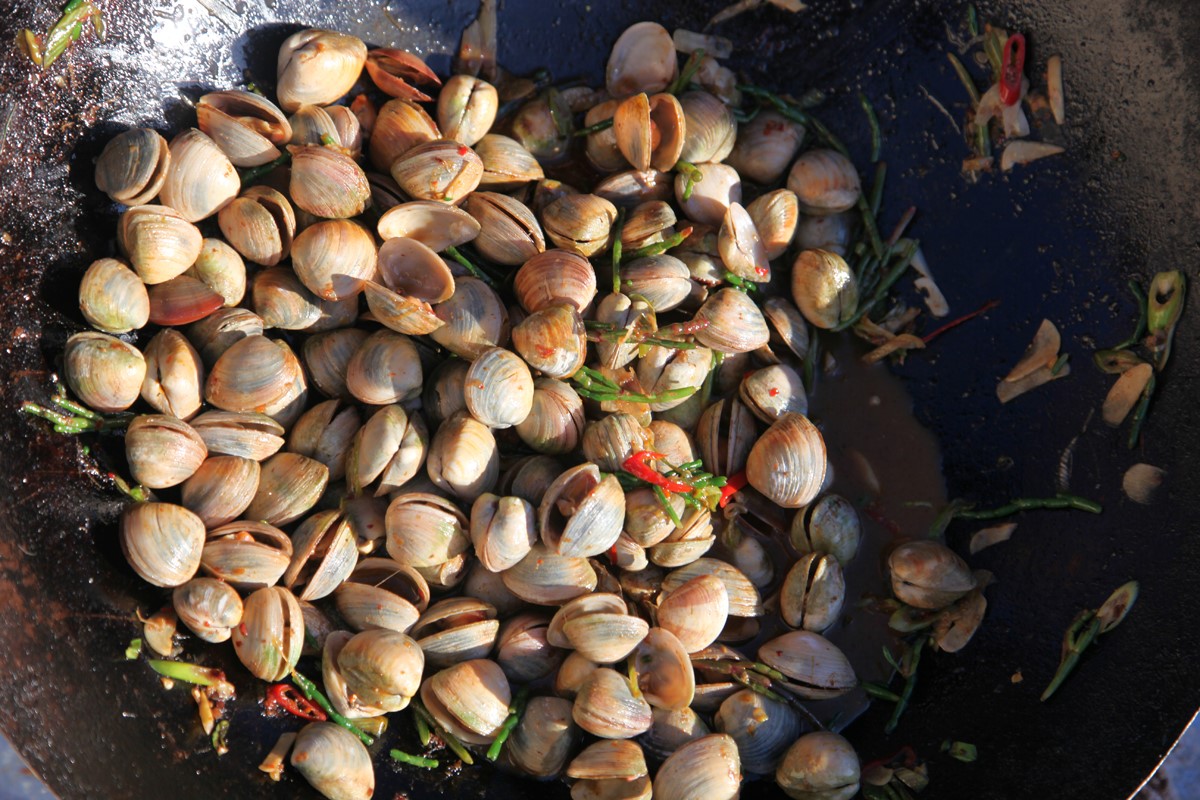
(1058, 239)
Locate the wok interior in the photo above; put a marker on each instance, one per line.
(1057, 239)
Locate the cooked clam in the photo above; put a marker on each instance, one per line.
(246, 126)
(200, 179)
(113, 298)
(317, 66)
(133, 165)
(825, 182)
(105, 373)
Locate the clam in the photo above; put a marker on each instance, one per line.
(174, 375)
(475, 319)
(200, 180)
(711, 195)
(707, 767)
(256, 374)
(661, 280)
(825, 182)
(384, 369)
(830, 525)
(672, 441)
(631, 187)
(622, 312)
(162, 451)
(544, 737)
(741, 248)
(133, 166)
(365, 514)
(552, 341)
(597, 627)
(209, 607)
(667, 369)
(323, 555)
(711, 129)
(441, 169)
(456, 629)
(334, 762)
(646, 521)
(509, 234)
(691, 539)
(247, 555)
(221, 489)
(610, 769)
(735, 323)
(926, 574)
(556, 419)
(424, 530)
(328, 354)
(158, 241)
(271, 634)
(776, 217)
(435, 225)
(470, 699)
(582, 512)
(489, 586)
(502, 530)
(390, 447)
(546, 578)
(606, 707)
(763, 729)
(507, 164)
(819, 766)
(250, 435)
(601, 147)
(824, 288)
(642, 60)
(537, 126)
(259, 224)
(324, 433)
(787, 463)
(725, 434)
(695, 611)
(317, 66)
(394, 71)
(443, 395)
(610, 441)
(664, 670)
(220, 268)
(648, 223)
(282, 301)
(499, 388)
(773, 391)
(162, 542)
(555, 277)
(464, 459)
(580, 223)
(289, 485)
(400, 126)
(744, 598)
(182, 300)
(326, 183)
(382, 593)
(813, 592)
(105, 373)
(246, 126)
(333, 258)
(787, 326)
(765, 146)
(650, 131)
(466, 108)
(571, 674)
(671, 730)
(826, 232)
(113, 298)
(818, 668)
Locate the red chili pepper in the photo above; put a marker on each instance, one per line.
(1012, 69)
(291, 701)
(636, 465)
(733, 484)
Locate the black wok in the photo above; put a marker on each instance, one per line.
(1058, 239)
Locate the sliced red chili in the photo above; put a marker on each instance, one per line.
(636, 465)
(733, 484)
(291, 701)
(1012, 70)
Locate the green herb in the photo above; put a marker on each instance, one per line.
(254, 173)
(962, 751)
(993, 46)
(873, 123)
(416, 761)
(1061, 501)
(75, 418)
(219, 734)
(1086, 626)
(602, 125)
(690, 67)
(1140, 411)
(67, 30)
(658, 248)
(446, 736)
(877, 187)
(457, 255)
(692, 175)
(618, 228)
(1164, 307)
(1059, 363)
(739, 283)
(880, 692)
(310, 691)
(594, 385)
(972, 21)
(889, 280)
(134, 649)
(1139, 330)
(514, 716)
(424, 735)
(965, 79)
(753, 676)
(908, 668)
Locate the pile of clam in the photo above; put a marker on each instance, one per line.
(364, 454)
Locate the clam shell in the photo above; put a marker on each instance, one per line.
(552, 341)
(707, 767)
(162, 451)
(246, 126)
(221, 489)
(247, 555)
(435, 225)
(544, 737)
(735, 323)
(555, 277)
(582, 512)
(317, 66)
(475, 319)
(503, 530)
(556, 419)
(133, 166)
(290, 485)
(744, 599)
(471, 699)
(382, 593)
(466, 108)
(642, 60)
(442, 170)
(547, 578)
(819, 764)
(498, 388)
(250, 435)
(507, 163)
(327, 355)
(113, 298)
(220, 268)
(334, 762)
(762, 728)
(159, 242)
(765, 147)
(787, 463)
(825, 182)
(509, 233)
(323, 556)
(695, 611)
(424, 530)
(105, 373)
(606, 707)
(271, 634)
(162, 542)
(209, 607)
(200, 180)
(818, 667)
(464, 458)
(385, 369)
(327, 183)
(332, 258)
(400, 126)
